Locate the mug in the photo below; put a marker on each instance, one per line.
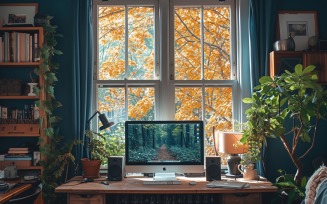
(248, 171)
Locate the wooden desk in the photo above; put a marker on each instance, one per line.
(132, 190)
(14, 192)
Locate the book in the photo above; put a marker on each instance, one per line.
(22, 37)
(35, 48)
(28, 158)
(18, 152)
(1, 50)
(18, 148)
(17, 155)
(29, 47)
(6, 47)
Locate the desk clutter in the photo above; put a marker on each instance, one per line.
(5, 187)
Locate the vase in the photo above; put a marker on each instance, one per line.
(248, 171)
(91, 168)
(290, 43)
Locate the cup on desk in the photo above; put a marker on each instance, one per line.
(249, 173)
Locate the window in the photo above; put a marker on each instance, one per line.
(167, 60)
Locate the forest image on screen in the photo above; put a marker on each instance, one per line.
(164, 143)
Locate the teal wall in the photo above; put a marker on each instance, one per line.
(277, 157)
(312, 5)
(62, 12)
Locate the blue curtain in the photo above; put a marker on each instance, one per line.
(83, 57)
(262, 23)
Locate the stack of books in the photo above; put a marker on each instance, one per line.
(18, 151)
(20, 156)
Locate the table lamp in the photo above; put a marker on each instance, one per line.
(102, 118)
(105, 124)
(229, 143)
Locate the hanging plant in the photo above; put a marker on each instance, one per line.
(57, 154)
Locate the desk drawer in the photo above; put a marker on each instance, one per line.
(86, 199)
(241, 198)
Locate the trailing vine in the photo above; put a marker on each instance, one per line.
(56, 154)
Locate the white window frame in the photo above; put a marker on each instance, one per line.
(164, 57)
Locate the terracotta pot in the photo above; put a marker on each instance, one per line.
(91, 168)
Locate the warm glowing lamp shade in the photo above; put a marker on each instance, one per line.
(229, 143)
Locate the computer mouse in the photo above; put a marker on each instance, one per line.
(105, 182)
(192, 183)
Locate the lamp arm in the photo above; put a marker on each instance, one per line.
(89, 120)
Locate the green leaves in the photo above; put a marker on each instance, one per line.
(102, 146)
(286, 184)
(265, 79)
(293, 96)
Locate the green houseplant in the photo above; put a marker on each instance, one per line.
(56, 152)
(288, 108)
(100, 147)
(96, 153)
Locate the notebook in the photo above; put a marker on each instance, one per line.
(227, 184)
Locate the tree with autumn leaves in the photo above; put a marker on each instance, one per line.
(201, 52)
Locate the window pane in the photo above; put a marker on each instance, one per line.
(112, 102)
(217, 43)
(141, 43)
(218, 111)
(188, 103)
(218, 115)
(187, 44)
(112, 44)
(141, 103)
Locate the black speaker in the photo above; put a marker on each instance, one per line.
(213, 171)
(115, 168)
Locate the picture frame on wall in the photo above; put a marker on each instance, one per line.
(17, 14)
(301, 25)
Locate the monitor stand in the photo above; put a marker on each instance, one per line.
(164, 177)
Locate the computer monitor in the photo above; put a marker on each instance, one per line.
(164, 147)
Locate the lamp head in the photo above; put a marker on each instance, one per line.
(229, 143)
(104, 121)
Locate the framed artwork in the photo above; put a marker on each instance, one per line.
(20, 14)
(301, 25)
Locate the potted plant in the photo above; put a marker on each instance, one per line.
(287, 108)
(96, 149)
(100, 147)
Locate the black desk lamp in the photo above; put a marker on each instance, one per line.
(102, 118)
(104, 121)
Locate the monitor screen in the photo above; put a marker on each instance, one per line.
(164, 146)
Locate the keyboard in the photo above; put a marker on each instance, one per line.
(162, 182)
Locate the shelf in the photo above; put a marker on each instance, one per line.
(25, 135)
(19, 64)
(286, 60)
(21, 28)
(20, 97)
(30, 168)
